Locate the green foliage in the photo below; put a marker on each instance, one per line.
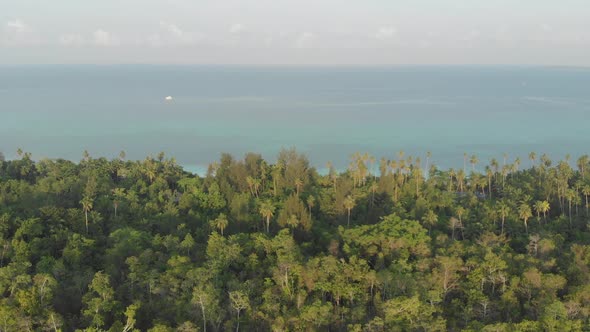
(144, 246)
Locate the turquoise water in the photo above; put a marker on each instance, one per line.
(326, 113)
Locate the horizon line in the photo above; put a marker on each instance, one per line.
(359, 65)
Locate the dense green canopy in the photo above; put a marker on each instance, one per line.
(389, 245)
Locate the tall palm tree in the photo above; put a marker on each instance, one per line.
(494, 165)
(430, 219)
(533, 158)
(372, 161)
(310, 204)
(118, 195)
(348, 205)
(267, 210)
(454, 223)
(250, 182)
(400, 155)
(538, 206)
(545, 207)
(524, 212)
(516, 163)
(473, 161)
(374, 187)
(221, 223)
(87, 204)
(298, 184)
(489, 175)
(256, 185)
(460, 180)
(586, 192)
(582, 163)
(293, 222)
(570, 195)
(460, 211)
(464, 161)
(503, 210)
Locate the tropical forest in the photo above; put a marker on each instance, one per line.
(385, 244)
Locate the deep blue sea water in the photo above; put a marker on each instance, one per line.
(327, 113)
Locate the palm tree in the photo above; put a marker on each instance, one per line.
(516, 163)
(524, 212)
(503, 210)
(276, 175)
(538, 206)
(473, 161)
(460, 211)
(118, 195)
(451, 176)
(400, 155)
(489, 175)
(250, 182)
(221, 223)
(298, 184)
(494, 165)
(267, 210)
(570, 195)
(533, 158)
(293, 222)
(430, 219)
(454, 223)
(348, 205)
(464, 161)
(86, 155)
(372, 161)
(545, 207)
(582, 162)
(256, 185)
(374, 187)
(460, 180)
(87, 205)
(586, 192)
(428, 156)
(310, 204)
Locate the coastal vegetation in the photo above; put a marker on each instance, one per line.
(385, 245)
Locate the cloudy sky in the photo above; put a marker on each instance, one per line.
(296, 32)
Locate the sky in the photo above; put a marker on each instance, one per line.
(295, 32)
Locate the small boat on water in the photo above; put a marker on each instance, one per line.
(168, 98)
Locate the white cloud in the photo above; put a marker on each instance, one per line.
(155, 40)
(546, 27)
(16, 26)
(104, 38)
(72, 39)
(236, 28)
(171, 34)
(471, 35)
(17, 32)
(173, 29)
(386, 32)
(305, 40)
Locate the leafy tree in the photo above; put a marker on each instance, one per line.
(100, 301)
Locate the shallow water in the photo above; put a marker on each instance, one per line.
(327, 113)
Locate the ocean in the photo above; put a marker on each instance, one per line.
(327, 113)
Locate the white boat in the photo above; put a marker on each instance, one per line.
(169, 98)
